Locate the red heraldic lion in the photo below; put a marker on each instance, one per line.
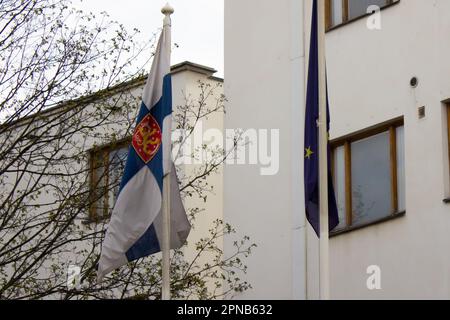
(147, 138)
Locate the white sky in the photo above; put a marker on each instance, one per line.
(197, 25)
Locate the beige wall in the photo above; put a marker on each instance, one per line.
(264, 60)
(368, 78)
(186, 84)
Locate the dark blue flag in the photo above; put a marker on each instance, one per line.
(311, 163)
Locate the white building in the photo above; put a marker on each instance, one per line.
(95, 155)
(187, 79)
(390, 135)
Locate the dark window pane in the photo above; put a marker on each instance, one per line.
(371, 182)
(117, 161)
(99, 186)
(358, 8)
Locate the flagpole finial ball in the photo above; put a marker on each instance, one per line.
(167, 9)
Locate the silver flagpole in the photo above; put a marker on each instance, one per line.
(324, 273)
(167, 10)
(166, 240)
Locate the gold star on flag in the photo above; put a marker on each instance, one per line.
(309, 153)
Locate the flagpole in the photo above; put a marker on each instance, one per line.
(324, 272)
(167, 10)
(165, 293)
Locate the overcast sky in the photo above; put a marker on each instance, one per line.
(197, 25)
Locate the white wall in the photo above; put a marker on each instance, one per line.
(368, 77)
(186, 86)
(264, 63)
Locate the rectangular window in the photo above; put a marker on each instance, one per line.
(369, 175)
(448, 137)
(342, 11)
(106, 168)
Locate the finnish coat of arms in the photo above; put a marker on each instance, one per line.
(147, 138)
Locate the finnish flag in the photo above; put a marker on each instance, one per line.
(135, 229)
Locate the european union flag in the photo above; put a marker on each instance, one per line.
(311, 163)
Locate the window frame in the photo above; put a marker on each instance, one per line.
(447, 200)
(346, 142)
(101, 152)
(345, 13)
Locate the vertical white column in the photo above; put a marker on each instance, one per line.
(167, 10)
(324, 272)
(297, 89)
(166, 240)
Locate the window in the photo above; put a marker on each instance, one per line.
(106, 168)
(369, 175)
(342, 11)
(448, 140)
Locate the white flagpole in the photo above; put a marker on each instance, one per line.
(167, 10)
(166, 240)
(324, 273)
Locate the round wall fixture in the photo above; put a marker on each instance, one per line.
(414, 82)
